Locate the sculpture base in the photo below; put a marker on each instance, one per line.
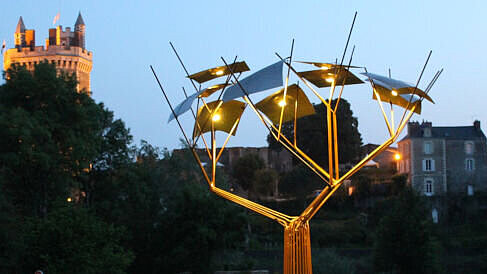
(297, 249)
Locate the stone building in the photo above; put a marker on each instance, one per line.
(281, 161)
(444, 160)
(385, 159)
(64, 48)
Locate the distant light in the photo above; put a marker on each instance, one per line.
(69, 199)
(394, 93)
(397, 156)
(216, 117)
(282, 103)
(330, 80)
(219, 72)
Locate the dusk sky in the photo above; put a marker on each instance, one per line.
(128, 36)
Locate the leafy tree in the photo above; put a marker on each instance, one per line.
(312, 135)
(50, 134)
(70, 239)
(245, 168)
(362, 184)
(265, 181)
(398, 183)
(175, 223)
(300, 182)
(11, 242)
(404, 240)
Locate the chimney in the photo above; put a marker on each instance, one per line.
(413, 129)
(476, 124)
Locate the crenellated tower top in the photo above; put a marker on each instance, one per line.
(64, 48)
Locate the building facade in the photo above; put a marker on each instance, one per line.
(64, 48)
(281, 161)
(444, 160)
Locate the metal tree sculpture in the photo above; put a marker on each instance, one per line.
(288, 105)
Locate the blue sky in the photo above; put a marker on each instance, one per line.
(128, 36)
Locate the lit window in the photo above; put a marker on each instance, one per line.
(434, 215)
(469, 164)
(428, 165)
(428, 147)
(469, 147)
(428, 187)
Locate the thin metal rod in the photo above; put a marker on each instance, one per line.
(348, 39)
(249, 101)
(335, 134)
(304, 81)
(296, 117)
(318, 202)
(433, 81)
(392, 117)
(228, 138)
(417, 83)
(330, 143)
(219, 97)
(380, 103)
(170, 106)
(285, 92)
(404, 122)
(197, 124)
(213, 153)
(344, 80)
(196, 89)
(182, 64)
(198, 160)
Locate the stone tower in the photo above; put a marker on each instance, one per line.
(64, 48)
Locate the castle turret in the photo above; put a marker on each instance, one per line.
(64, 49)
(20, 34)
(79, 32)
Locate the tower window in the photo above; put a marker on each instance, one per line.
(469, 164)
(428, 147)
(469, 147)
(428, 165)
(428, 187)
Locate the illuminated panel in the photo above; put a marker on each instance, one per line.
(323, 77)
(272, 105)
(212, 73)
(224, 118)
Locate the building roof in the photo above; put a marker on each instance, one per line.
(20, 26)
(467, 132)
(460, 133)
(79, 21)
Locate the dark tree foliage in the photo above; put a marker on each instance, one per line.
(300, 182)
(245, 168)
(312, 135)
(71, 240)
(50, 137)
(404, 241)
(176, 224)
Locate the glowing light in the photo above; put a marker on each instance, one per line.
(282, 103)
(216, 117)
(397, 156)
(330, 80)
(69, 199)
(324, 68)
(394, 93)
(219, 72)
